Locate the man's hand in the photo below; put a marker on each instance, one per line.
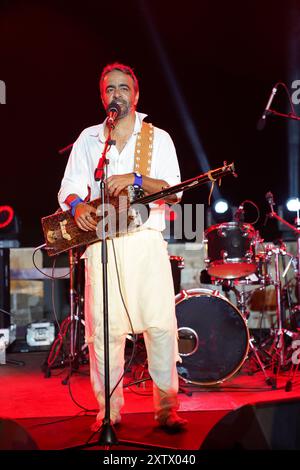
(84, 218)
(116, 183)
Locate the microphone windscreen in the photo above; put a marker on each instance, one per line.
(269, 197)
(113, 107)
(261, 124)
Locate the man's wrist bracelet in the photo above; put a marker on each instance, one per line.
(74, 204)
(138, 180)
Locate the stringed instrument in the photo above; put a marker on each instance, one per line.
(122, 214)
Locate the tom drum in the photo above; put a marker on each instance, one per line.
(230, 250)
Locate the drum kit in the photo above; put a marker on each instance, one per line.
(214, 337)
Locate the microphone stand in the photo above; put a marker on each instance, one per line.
(288, 116)
(295, 229)
(107, 435)
(280, 332)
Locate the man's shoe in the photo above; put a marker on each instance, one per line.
(172, 421)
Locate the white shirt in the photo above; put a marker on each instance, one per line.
(88, 148)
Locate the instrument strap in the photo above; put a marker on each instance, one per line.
(143, 149)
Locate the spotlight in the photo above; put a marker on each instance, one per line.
(221, 206)
(293, 204)
(288, 212)
(221, 211)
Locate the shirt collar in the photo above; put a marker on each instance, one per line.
(99, 130)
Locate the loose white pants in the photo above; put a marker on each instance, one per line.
(141, 269)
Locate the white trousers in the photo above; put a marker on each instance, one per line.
(141, 269)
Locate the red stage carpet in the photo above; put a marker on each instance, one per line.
(40, 412)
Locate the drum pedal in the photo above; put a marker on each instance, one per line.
(269, 380)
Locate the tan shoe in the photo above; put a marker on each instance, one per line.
(172, 421)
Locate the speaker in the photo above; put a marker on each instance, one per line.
(4, 287)
(15, 437)
(264, 426)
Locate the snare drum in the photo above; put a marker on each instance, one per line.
(230, 250)
(213, 337)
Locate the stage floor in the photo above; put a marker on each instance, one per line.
(58, 416)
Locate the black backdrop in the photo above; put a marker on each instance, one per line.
(225, 57)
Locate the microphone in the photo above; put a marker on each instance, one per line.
(113, 110)
(262, 121)
(270, 200)
(239, 213)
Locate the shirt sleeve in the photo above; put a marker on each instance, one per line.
(76, 176)
(166, 162)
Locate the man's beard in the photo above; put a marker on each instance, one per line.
(125, 108)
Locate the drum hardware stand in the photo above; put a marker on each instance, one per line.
(141, 378)
(277, 352)
(72, 325)
(269, 380)
(241, 302)
(278, 344)
(76, 314)
(296, 339)
(279, 339)
(241, 305)
(286, 289)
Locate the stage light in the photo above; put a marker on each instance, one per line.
(40, 334)
(293, 204)
(9, 227)
(287, 212)
(220, 211)
(6, 216)
(221, 206)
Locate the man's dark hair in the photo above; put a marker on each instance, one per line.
(121, 68)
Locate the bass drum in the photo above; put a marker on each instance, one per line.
(213, 337)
